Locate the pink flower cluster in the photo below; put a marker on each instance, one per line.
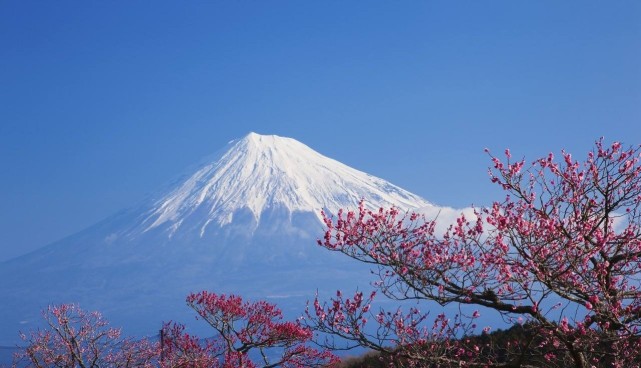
(242, 327)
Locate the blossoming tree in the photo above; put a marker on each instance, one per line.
(76, 338)
(248, 334)
(561, 254)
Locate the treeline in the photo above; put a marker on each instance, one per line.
(518, 346)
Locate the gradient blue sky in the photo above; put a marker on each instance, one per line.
(103, 102)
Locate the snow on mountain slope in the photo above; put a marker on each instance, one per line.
(244, 222)
(259, 172)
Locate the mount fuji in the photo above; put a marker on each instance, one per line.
(244, 222)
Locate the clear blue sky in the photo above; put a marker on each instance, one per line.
(103, 102)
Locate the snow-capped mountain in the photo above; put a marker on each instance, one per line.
(257, 173)
(244, 222)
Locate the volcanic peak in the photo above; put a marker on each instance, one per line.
(259, 172)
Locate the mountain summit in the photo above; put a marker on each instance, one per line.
(260, 172)
(245, 222)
